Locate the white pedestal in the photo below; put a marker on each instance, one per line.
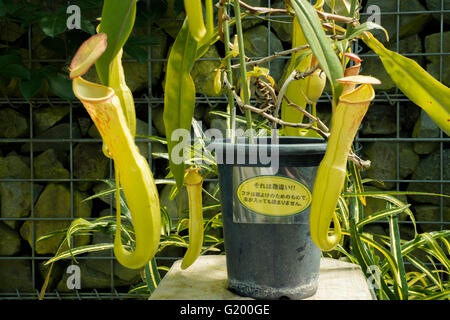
(206, 279)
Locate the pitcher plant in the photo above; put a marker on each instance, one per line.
(321, 53)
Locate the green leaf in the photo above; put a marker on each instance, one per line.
(9, 59)
(166, 220)
(77, 225)
(394, 233)
(300, 61)
(156, 11)
(153, 138)
(296, 59)
(179, 97)
(80, 250)
(392, 193)
(2, 8)
(152, 276)
(341, 7)
(142, 41)
(15, 71)
(359, 251)
(320, 44)
(29, 88)
(420, 241)
(344, 213)
(117, 22)
(60, 85)
(445, 295)
(112, 190)
(29, 14)
(87, 26)
(136, 47)
(437, 251)
(10, 7)
(424, 269)
(359, 30)
(52, 25)
(100, 194)
(418, 85)
(357, 181)
(381, 215)
(178, 7)
(137, 52)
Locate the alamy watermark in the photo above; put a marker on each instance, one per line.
(264, 151)
(74, 280)
(74, 20)
(375, 14)
(374, 276)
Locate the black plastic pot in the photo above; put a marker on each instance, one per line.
(265, 208)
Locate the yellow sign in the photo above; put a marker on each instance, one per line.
(274, 195)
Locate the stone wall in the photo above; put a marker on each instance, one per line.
(65, 172)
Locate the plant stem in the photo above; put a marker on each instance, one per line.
(295, 75)
(322, 15)
(353, 8)
(352, 15)
(262, 10)
(209, 17)
(220, 16)
(314, 111)
(269, 116)
(272, 57)
(244, 85)
(334, 17)
(231, 110)
(316, 124)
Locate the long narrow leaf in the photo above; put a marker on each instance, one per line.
(117, 22)
(447, 244)
(76, 226)
(418, 85)
(425, 270)
(100, 194)
(179, 95)
(445, 295)
(414, 277)
(80, 250)
(381, 215)
(388, 196)
(359, 251)
(300, 61)
(436, 250)
(152, 277)
(420, 241)
(390, 261)
(344, 218)
(320, 44)
(393, 193)
(366, 26)
(397, 254)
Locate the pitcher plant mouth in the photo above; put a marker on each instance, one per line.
(362, 94)
(91, 92)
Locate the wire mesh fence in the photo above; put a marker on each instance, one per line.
(407, 152)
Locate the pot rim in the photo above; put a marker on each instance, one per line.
(286, 145)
